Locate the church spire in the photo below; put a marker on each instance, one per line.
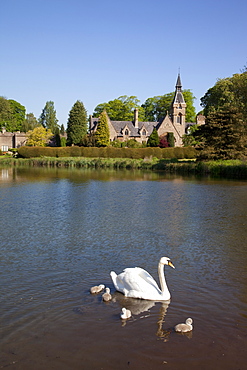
(179, 105)
(178, 98)
(179, 84)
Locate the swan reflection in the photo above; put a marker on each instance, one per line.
(163, 333)
(135, 305)
(138, 306)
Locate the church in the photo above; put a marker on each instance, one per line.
(140, 131)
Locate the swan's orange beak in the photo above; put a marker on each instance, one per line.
(171, 264)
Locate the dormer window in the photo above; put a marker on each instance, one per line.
(144, 132)
(126, 132)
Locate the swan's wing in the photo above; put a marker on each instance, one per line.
(137, 282)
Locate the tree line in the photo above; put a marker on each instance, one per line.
(223, 136)
(13, 115)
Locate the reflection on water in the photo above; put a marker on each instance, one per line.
(63, 231)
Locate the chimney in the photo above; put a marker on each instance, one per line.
(136, 117)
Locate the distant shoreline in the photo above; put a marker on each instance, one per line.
(231, 169)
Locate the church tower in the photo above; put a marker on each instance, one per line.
(178, 105)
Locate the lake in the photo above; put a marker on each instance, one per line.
(64, 230)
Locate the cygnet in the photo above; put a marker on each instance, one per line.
(185, 327)
(97, 288)
(126, 314)
(107, 296)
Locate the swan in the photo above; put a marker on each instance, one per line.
(107, 296)
(126, 314)
(138, 283)
(97, 288)
(183, 328)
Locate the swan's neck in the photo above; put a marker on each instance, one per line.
(162, 279)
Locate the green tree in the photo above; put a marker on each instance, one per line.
(48, 117)
(150, 108)
(18, 115)
(12, 114)
(189, 139)
(29, 123)
(77, 124)
(121, 109)
(190, 109)
(153, 139)
(62, 130)
(226, 93)
(5, 111)
(157, 107)
(223, 136)
(102, 134)
(39, 136)
(170, 139)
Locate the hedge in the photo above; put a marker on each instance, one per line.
(107, 152)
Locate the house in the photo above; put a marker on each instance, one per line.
(140, 131)
(10, 140)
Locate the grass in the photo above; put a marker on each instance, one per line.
(226, 169)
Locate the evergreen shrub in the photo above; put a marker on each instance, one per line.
(178, 152)
(75, 151)
(168, 153)
(107, 152)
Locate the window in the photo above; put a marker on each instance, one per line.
(126, 132)
(180, 119)
(144, 132)
(5, 148)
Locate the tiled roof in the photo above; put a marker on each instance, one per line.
(119, 126)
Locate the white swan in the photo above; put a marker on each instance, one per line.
(126, 314)
(138, 283)
(183, 328)
(107, 295)
(97, 289)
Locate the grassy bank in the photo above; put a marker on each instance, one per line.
(234, 169)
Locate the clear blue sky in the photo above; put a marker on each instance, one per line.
(96, 51)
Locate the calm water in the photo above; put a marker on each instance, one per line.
(63, 231)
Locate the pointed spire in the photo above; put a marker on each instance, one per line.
(178, 84)
(178, 98)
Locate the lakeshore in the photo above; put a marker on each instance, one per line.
(232, 169)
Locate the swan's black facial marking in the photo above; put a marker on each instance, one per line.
(171, 264)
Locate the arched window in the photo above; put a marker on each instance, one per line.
(180, 119)
(144, 132)
(126, 132)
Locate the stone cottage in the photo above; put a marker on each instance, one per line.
(10, 140)
(140, 131)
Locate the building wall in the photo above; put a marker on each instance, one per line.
(10, 140)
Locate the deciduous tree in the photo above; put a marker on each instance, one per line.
(39, 136)
(18, 113)
(157, 107)
(121, 109)
(12, 114)
(5, 111)
(29, 123)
